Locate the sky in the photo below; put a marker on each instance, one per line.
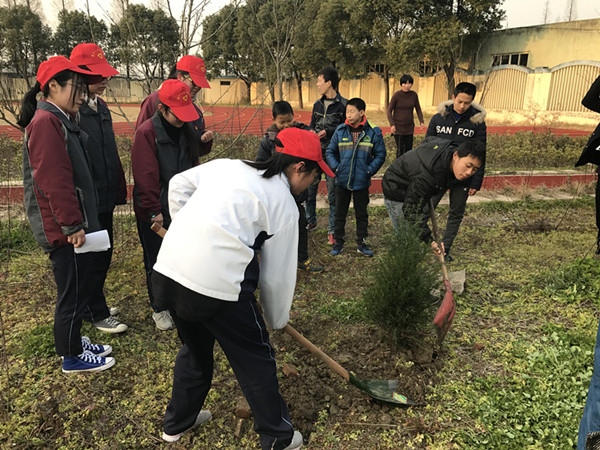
(519, 13)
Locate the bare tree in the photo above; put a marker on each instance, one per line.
(190, 22)
(278, 38)
(546, 12)
(62, 5)
(571, 10)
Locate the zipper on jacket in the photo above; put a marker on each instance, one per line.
(362, 134)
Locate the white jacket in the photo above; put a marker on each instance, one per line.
(220, 210)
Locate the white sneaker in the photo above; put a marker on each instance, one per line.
(163, 320)
(110, 325)
(296, 443)
(203, 416)
(114, 311)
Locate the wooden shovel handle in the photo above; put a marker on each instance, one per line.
(318, 352)
(161, 231)
(436, 234)
(158, 229)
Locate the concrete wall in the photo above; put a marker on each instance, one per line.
(547, 45)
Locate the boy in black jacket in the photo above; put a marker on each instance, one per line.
(283, 117)
(459, 120)
(328, 112)
(424, 172)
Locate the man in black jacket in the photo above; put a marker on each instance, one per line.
(459, 120)
(328, 112)
(590, 422)
(425, 172)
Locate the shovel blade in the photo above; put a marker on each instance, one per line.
(382, 390)
(445, 315)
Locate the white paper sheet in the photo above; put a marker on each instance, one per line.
(97, 241)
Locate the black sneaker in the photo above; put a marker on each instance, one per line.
(365, 250)
(309, 266)
(337, 249)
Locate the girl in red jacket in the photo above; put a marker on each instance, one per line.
(163, 146)
(61, 203)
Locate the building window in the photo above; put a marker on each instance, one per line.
(376, 68)
(517, 59)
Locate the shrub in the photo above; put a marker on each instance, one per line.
(399, 295)
(11, 158)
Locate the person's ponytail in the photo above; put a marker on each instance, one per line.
(28, 105)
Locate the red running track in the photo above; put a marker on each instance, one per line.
(253, 121)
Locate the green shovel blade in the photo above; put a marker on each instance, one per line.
(383, 390)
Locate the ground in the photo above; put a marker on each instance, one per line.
(512, 372)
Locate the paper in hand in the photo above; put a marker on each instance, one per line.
(97, 241)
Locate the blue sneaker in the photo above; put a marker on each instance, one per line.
(365, 250)
(98, 350)
(86, 362)
(337, 249)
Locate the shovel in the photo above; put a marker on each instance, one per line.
(382, 390)
(445, 315)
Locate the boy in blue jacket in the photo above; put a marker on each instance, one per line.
(355, 153)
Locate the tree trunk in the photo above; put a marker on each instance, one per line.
(272, 92)
(298, 77)
(386, 86)
(248, 90)
(449, 70)
(279, 81)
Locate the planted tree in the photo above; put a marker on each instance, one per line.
(75, 27)
(221, 54)
(146, 42)
(399, 296)
(450, 31)
(24, 43)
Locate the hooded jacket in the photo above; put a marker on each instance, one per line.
(355, 164)
(471, 126)
(104, 157)
(328, 120)
(60, 196)
(419, 174)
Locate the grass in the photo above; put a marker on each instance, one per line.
(513, 371)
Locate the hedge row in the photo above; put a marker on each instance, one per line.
(520, 151)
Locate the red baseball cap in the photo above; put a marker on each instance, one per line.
(92, 56)
(57, 64)
(302, 144)
(177, 96)
(196, 68)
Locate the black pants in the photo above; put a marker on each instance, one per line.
(97, 308)
(342, 203)
(76, 279)
(241, 332)
(302, 234)
(458, 203)
(151, 243)
(403, 144)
